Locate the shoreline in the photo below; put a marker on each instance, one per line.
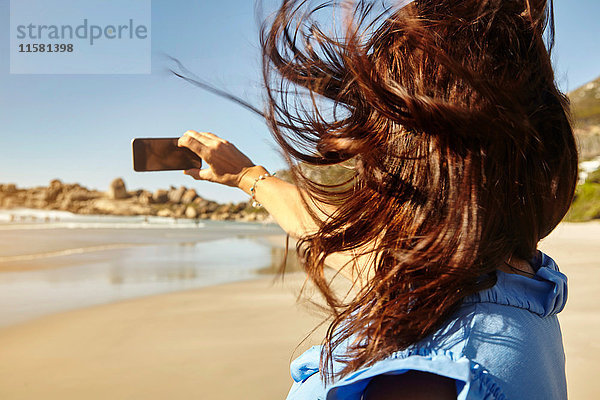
(50, 271)
(41, 240)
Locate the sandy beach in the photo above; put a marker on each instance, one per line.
(576, 249)
(236, 340)
(225, 342)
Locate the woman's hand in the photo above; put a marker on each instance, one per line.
(226, 164)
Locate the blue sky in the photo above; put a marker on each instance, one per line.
(79, 127)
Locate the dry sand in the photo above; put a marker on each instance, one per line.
(236, 341)
(576, 249)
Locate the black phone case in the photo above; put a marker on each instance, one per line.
(162, 154)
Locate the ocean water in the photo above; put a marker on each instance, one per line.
(44, 219)
(56, 261)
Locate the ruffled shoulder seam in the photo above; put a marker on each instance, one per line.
(478, 382)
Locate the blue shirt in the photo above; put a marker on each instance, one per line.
(503, 343)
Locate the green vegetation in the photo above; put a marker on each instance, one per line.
(594, 177)
(586, 205)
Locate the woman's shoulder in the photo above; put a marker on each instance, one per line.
(441, 370)
(477, 356)
(467, 359)
(428, 373)
(503, 343)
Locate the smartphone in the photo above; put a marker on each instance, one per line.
(162, 154)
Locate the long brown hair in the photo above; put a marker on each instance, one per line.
(461, 141)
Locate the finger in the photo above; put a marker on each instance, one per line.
(192, 144)
(212, 136)
(200, 174)
(202, 137)
(192, 172)
(193, 135)
(208, 144)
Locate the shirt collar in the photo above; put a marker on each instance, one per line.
(544, 294)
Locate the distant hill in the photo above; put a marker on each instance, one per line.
(585, 102)
(585, 106)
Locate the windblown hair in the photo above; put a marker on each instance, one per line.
(462, 144)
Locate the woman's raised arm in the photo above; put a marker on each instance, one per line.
(229, 166)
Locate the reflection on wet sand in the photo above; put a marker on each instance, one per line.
(117, 273)
(292, 263)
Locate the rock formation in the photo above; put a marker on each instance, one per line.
(117, 190)
(175, 203)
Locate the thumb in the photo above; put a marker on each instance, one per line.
(205, 174)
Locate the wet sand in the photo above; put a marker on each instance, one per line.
(225, 342)
(236, 340)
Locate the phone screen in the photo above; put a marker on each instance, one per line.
(162, 154)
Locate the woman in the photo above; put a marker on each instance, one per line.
(463, 159)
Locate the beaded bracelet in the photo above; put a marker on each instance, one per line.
(252, 189)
